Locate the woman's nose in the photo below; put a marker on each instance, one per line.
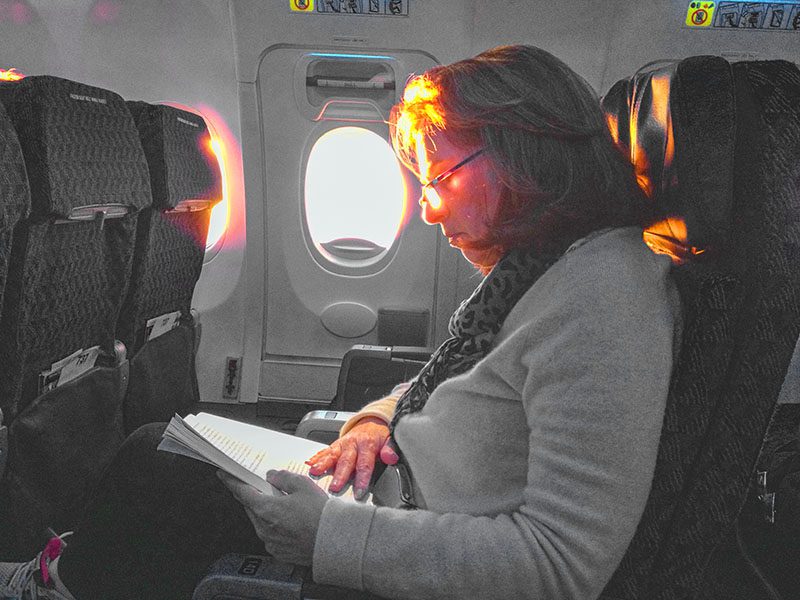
(432, 215)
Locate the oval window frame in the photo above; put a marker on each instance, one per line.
(342, 266)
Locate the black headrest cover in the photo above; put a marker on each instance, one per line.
(177, 144)
(676, 122)
(80, 145)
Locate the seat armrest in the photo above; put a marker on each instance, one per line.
(370, 372)
(248, 577)
(322, 425)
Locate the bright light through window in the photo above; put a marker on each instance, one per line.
(354, 193)
(219, 214)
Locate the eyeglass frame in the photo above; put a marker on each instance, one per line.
(431, 185)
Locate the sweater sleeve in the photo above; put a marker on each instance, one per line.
(598, 359)
(382, 408)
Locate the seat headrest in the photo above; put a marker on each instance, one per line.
(183, 168)
(676, 123)
(80, 145)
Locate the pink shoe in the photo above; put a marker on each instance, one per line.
(38, 578)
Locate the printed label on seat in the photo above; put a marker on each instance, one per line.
(158, 326)
(67, 369)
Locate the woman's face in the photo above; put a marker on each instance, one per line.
(470, 198)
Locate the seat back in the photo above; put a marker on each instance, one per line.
(69, 269)
(71, 261)
(15, 198)
(15, 201)
(718, 146)
(170, 247)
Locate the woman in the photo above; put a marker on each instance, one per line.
(530, 436)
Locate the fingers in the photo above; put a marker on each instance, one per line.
(291, 483)
(246, 494)
(325, 459)
(365, 464)
(344, 467)
(319, 455)
(389, 454)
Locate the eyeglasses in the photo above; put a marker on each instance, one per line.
(429, 193)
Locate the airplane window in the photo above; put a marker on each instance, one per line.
(354, 196)
(219, 214)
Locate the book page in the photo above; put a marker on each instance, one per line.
(253, 449)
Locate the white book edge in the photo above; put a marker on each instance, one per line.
(286, 451)
(181, 438)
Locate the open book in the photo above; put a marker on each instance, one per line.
(245, 451)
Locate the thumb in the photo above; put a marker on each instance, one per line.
(388, 453)
(288, 482)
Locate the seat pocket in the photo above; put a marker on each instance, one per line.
(59, 446)
(163, 379)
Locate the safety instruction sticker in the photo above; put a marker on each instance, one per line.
(761, 16)
(700, 14)
(302, 5)
(366, 8)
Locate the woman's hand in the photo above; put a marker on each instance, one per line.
(355, 451)
(286, 524)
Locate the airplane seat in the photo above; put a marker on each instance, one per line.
(15, 201)
(15, 197)
(717, 146)
(370, 372)
(156, 322)
(62, 372)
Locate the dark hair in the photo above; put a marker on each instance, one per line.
(542, 126)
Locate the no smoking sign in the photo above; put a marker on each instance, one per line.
(700, 14)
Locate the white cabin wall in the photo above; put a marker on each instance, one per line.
(576, 31)
(648, 31)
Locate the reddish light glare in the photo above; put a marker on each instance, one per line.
(10, 75)
(106, 11)
(20, 13)
(670, 237)
(227, 217)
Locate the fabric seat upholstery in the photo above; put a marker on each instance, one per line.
(731, 185)
(170, 248)
(15, 198)
(68, 273)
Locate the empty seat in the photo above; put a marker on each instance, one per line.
(156, 323)
(61, 372)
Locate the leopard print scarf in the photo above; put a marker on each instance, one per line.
(474, 325)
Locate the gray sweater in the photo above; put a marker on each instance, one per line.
(534, 466)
